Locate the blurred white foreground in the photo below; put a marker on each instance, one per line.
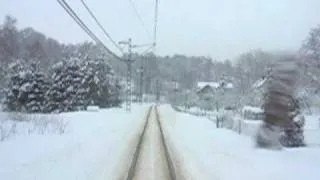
(94, 143)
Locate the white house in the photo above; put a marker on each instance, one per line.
(207, 93)
(214, 85)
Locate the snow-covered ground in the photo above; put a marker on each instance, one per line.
(312, 130)
(96, 145)
(206, 152)
(90, 148)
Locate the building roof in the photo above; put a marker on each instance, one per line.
(213, 85)
(205, 89)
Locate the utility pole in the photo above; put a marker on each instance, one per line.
(141, 71)
(129, 61)
(157, 91)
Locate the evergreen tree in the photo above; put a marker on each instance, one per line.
(75, 93)
(27, 90)
(100, 84)
(39, 86)
(67, 92)
(13, 99)
(55, 94)
(292, 135)
(115, 94)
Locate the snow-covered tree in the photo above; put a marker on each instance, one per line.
(103, 89)
(310, 60)
(292, 135)
(67, 92)
(55, 95)
(77, 84)
(27, 89)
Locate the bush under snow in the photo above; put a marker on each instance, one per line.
(16, 124)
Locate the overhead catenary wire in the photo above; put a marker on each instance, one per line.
(139, 17)
(142, 45)
(147, 50)
(76, 18)
(101, 27)
(155, 30)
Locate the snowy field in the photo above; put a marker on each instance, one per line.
(89, 148)
(206, 152)
(94, 145)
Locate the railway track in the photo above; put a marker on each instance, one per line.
(151, 158)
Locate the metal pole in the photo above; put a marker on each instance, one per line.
(157, 91)
(141, 82)
(129, 77)
(129, 61)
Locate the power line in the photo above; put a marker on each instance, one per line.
(76, 18)
(139, 17)
(147, 50)
(101, 27)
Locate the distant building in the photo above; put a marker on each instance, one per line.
(213, 85)
(206, 87)
(206, 92)
(252, 113)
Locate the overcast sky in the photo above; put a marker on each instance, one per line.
(217, 28)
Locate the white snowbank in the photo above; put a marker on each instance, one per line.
(210, 153)
(93, 108)
(90, 148)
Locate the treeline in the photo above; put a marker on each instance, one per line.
(29, 46)
(38, 74)
(243, 71)
(69, 86)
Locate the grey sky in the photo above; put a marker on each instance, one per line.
(218, 28)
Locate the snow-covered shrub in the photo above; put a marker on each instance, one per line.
(6, 130)
(12, 124)
(17, 116)
(43, 124)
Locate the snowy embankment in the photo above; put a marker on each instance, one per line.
(311, 128)
(206, 152)
(90, 147)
